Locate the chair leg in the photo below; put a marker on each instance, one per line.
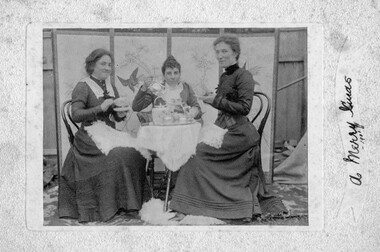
(150, 172)
(167, 190)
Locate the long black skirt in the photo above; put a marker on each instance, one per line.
(215, 182)
(94, 186)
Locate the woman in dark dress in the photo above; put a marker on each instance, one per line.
(222, 182)
(94, 186)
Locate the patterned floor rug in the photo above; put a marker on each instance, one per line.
(294, 197)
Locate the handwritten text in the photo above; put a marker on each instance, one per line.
(347, 105)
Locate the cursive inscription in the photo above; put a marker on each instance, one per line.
(355, 133)
(347, 105)
(356, 180)
(356, 137)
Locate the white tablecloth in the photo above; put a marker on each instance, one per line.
(174, 145)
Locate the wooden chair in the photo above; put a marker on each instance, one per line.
(66, 114)
(263, 113)
(69, 122)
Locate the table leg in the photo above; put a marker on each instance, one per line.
(167, 190)
(151, 176)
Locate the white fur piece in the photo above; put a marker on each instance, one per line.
(212, 135)
(107, 138)
(153, 213)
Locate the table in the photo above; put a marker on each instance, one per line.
(173, 144)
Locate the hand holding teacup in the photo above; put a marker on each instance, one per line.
(106, 104)
(122, 106)
(147, 83)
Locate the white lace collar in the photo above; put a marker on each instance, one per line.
(98, 91)
(171, 93)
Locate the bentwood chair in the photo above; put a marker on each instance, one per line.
(66, 115)
(69, 124)
(260, 119)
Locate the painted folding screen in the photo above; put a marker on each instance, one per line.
(140, 54)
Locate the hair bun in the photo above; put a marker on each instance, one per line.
(170, 62)
(171, 58)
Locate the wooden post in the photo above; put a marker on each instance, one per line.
(274, 99)
(169, 42)
(57, 101)
(112, 50)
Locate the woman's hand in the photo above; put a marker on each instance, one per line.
(193, 112)
(106, 104)
(207, 99)
(147, 83)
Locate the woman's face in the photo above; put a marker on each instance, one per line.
(225, 55)
(102, 68)
(172, 76)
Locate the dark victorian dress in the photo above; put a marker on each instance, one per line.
(94, 186)
(218, 182)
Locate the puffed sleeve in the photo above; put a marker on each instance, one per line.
(142, 99)
(79, 100)
(245, 92)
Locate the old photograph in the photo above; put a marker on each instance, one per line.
(176, 126)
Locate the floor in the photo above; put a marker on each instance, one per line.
(294, 197)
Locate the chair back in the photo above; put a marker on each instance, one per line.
(262, 117)
(263, 111)
(66, 114)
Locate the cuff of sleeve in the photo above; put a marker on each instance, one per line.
(216, 102)
(145, 90)
(96, 110)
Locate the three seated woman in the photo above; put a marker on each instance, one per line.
(216, 182)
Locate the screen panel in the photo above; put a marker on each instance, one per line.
(140, 57)
(72, 50)
(200, 68)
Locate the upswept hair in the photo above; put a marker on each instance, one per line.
(170, 62)
(230, 40)
(94, 56)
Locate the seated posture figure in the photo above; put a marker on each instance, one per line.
(94, 186)
(173, 90)
(222, 182)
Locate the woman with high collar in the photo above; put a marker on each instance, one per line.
(217, 182)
